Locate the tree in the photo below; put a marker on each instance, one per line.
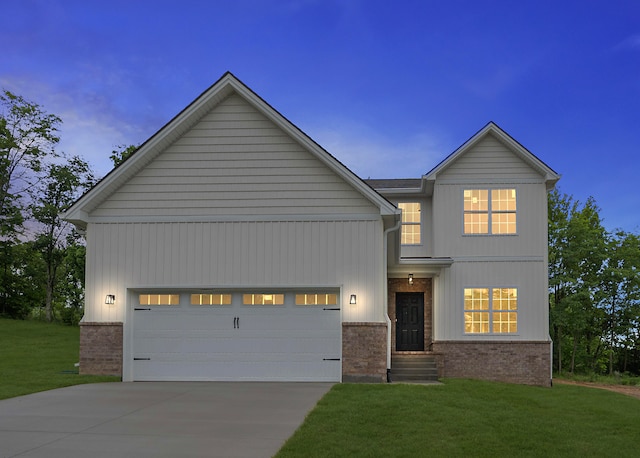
(58, 189)
(620, 295)
(576, 257)
(71, 286)
(27, 136)
(121, 154)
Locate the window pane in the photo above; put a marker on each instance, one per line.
(410, 212)
(476, 322)
(316, 299)
(476, 223)
(503, 223)
(476, 200)
(503, 200)
(505, 322)
(211, 299)
(159, 299)
(263, 299)
(476, 299)
(505, 299)
(410, 234)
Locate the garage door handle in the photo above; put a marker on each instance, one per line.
(330, 359)
(236, 322)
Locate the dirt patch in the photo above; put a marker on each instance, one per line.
(633, 391)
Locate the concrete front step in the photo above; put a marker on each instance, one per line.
(413, 368)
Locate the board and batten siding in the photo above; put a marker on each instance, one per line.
(234, 161)
(531, 221)
(530, 277)
(275, 255)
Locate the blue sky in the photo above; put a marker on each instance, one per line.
(388, 87)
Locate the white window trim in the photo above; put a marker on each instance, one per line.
(490, 311)
(419, 224)
(489, 211)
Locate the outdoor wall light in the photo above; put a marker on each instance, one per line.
(110, 299)
(353, 299)
(411, 279)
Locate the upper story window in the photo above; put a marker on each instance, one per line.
(490, 211)
(410, 232)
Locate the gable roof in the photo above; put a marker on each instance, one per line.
(78, 213)
(550, 176)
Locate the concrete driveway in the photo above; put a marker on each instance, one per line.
(156, 419)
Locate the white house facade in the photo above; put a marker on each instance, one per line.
(230, 246)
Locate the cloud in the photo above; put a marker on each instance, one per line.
(92, 127)
(632, 42)
(369, 154)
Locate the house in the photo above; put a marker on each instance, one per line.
(231, 246)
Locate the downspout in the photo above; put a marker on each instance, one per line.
(386, 292)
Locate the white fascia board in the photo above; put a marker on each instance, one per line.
(551, 177)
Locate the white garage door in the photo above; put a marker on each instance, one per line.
(235, 341)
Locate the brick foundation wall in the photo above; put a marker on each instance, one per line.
(420, 285)
(364, 352)
(505, 361)
(101, 348)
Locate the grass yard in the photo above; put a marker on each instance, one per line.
(37, 356)
(468, 418)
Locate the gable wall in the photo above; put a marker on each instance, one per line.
(489, 157)
(234, 162)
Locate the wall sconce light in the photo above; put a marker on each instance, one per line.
(352, 300)
(110, 299)
(411, 279)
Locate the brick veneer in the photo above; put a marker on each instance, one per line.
(101, 348)
(505, 361)
(364, 352)
(420, 285)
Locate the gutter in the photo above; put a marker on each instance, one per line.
(386, 290)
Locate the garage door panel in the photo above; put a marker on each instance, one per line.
(286, 343)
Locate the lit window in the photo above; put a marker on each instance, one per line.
(490, 310)
(410, 232)
(263, 299)
(495, 215)
(317, 299)
(159, 299)
(211, 299)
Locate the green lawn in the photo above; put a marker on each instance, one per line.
(468, 418)
(457, 418)
(37, 356)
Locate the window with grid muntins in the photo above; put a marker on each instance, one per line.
(410, 231)
(490, 211)
(490, 310)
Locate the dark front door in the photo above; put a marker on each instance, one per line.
(409, 321)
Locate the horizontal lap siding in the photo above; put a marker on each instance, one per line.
(489, 158)
(234, 162)
(235, 255)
